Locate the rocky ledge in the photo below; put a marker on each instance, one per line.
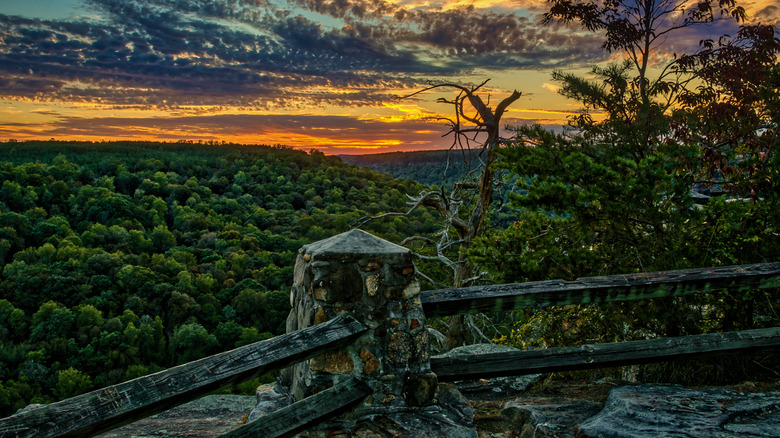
(511, 407)
(653, 411)
(209, 416)
(561, 410)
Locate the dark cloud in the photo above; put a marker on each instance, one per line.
(255, 54)
(151, 54)
(768, 15)
(467, 37)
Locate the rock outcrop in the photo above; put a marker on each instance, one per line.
(210, 416)
(547, 416)
(495, 388)
(653, 411)
(630, 411)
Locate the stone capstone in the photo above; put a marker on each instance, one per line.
(355, 243)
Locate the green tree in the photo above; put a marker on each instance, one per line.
(228, 333)
(182, 308)
(89, 323)
(251, 306)
(734, 113)
(612, 196)
(51, 321)
(71, 382)
(13, 324)
(162, 239)
(190, 342)
(637, 28)
(250, 335)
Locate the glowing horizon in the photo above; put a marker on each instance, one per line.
(309, 74)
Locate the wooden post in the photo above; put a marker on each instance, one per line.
(108, 408)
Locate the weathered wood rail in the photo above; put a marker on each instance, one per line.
(611, 288)
(295, 417)
(484, 299)
(592, 356)
(109, 408)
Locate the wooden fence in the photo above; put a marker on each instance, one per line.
(111, 407)
(108, 408)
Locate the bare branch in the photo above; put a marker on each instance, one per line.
(449, 263)
(420, 200)
(505, 104)
(416, 238)
(440, 85)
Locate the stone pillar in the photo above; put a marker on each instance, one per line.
(373, 280)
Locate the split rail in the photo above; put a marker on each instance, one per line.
(108, 408)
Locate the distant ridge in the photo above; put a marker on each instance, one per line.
(432, 167)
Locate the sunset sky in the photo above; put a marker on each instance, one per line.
(310, 74)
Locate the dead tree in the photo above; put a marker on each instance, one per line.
(464, 206)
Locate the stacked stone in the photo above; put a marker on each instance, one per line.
(373, 280)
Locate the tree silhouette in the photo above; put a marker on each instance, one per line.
(638, 28)
(462, 208)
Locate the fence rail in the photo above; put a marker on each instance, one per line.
(484, 299)
(111, 407)
(108, 408)
(592, 356)
(295, 417)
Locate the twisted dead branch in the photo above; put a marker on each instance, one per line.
(463, 207)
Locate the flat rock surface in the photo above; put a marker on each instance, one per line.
(494, 388)
(452, 417)
(548, 417)
(208, 416)
(653, 411)
(552, 410)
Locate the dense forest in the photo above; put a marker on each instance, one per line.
(436, 167)
(121, 259)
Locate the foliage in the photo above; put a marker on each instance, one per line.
(613, 194)
(120, 259)
(436, 167)
(734, 112)
(638, 28)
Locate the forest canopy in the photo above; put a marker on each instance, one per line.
(120, 259)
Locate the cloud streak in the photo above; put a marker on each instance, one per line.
(332, 134)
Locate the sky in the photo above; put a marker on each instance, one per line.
(310, 74)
